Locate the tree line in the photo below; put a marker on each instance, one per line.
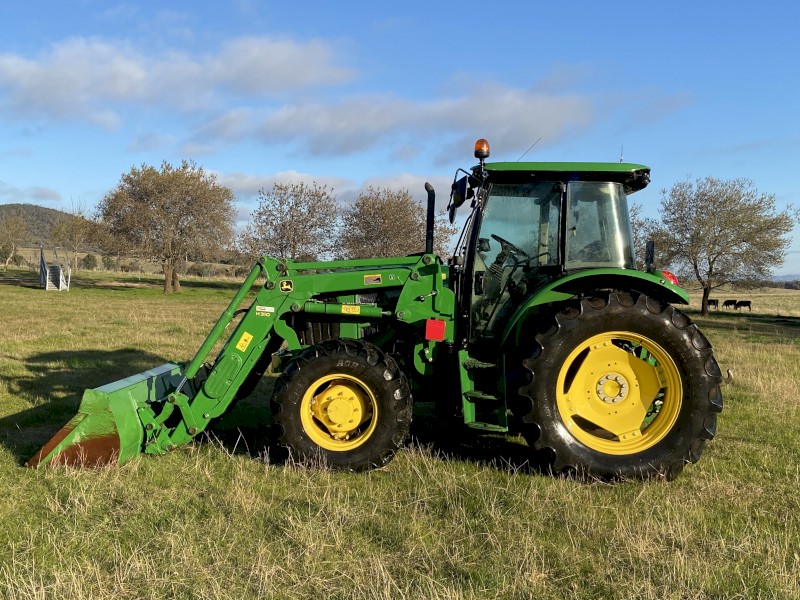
(716, 232)
(173, 213)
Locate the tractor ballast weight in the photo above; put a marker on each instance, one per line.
(539, 318)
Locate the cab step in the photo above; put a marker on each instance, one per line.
(489, 427)
(473, 363)
(478, 396)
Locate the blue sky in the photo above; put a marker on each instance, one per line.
(353, 94)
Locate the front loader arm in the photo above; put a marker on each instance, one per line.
(292, 288)
(160, 409)
(198, 403)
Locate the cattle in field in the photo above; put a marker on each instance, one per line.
(744, 304)
(713, 303)
(729, 303)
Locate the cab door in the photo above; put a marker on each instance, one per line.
(518, 236)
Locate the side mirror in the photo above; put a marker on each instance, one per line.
(458, 195)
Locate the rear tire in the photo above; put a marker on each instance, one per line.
(623, 386)
(342, 403)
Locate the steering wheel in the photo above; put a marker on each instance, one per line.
(595, 251)
(510, 246)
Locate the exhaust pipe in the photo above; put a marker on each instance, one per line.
(429, 220)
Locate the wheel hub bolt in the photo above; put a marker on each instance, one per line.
(612, 388)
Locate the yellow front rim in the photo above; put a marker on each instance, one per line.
(339, 412)
(619, 392)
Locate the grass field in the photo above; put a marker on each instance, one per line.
(219, 519)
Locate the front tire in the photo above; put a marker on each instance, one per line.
(623, 386)
(343, 403)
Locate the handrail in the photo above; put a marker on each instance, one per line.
(63, 282)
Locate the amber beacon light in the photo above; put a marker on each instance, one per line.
(482, 149)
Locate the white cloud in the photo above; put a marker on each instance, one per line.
(510, 117)
(36, 194)
(260, 65)
(71, 80)
(230, 125)
(149, 141)
(232, 91)
(349, 126)
(195, 149)
(415, 184)
(248, 185)
(106, 119)
(93, 78)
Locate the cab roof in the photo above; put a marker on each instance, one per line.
(633, 177)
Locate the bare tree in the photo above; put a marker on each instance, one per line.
(76, 233)
(722, 231)
(642, 229)
(385, 222)
(165, 215)
(293, 220)
(13, 232)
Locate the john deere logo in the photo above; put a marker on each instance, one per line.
(286, 285)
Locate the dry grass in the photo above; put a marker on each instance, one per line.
(219, 520)
(766, 301)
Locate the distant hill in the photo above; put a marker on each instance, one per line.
(39, 219)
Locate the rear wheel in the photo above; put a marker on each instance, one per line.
(622, 387)
(343, 403)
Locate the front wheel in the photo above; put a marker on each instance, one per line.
(622, 387)
(343, 403)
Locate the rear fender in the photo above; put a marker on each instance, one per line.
(559, 290)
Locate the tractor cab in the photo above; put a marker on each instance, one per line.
(532, 222)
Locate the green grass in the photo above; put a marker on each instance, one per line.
(220, 520)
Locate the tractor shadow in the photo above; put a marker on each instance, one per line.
(53, 383)
(455, 442)
(246, 429)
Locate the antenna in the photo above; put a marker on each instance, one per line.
(620, 152)
(529, 149)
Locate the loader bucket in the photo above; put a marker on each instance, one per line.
(107, 428)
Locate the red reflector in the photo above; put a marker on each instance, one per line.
(670, 277)
(434, 330)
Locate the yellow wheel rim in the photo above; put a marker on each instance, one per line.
(619, 393)
(339, 412)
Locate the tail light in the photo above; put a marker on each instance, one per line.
(670, 277)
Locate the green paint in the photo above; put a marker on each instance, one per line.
(389, 299)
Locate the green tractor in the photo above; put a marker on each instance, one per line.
(539, 324)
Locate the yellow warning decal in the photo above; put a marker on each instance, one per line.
(244, 342)
(351, 309)
(287, 285)
(372, 279)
